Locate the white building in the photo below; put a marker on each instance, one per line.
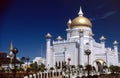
(79, 39)
(39, 60)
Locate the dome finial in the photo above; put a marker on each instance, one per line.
(69, 22)
(80, 12)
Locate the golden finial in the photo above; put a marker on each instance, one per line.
(59, 38)
(69, 22)
(48, 35)
(91, 34)
(115, 42)
(102, 38)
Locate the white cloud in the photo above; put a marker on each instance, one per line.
(108, 14)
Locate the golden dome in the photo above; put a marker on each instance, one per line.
(80, 21)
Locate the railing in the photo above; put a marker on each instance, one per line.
(44, 75)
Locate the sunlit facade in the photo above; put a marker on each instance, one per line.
(79, 39)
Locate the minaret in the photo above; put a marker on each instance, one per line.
(11, 48)
(115, 43)
(81, 48)
(68, 30)
(69, 22)
(11, 55)
(48, 50)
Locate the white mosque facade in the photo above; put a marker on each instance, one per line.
(79, 40)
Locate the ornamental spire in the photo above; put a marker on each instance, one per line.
(69, 22)
(115, 42)
(48, 35)
(11, 46)
(80, 12)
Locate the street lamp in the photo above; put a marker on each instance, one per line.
(88, 52)
(69, 67)
(15, 51)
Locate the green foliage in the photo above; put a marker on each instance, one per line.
(80, 66)
(105, 67)
(114, 69)
(88, 67)
(34, 67)
(72, 66)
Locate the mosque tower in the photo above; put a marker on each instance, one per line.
(11, 55)
(48, 48)
(11, 48)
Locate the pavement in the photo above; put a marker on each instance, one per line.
(58, 77)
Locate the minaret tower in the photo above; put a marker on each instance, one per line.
(115, 43)
(11, 48)
(48, 52)
(11, 55)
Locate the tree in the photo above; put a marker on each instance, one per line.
(22, 59)
(88, 67)
(114, 69)
(80, 68)
(72, 67)
(34, 67)
(42, 67)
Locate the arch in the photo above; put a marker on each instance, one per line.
(99, 63)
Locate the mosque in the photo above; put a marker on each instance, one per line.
(78, 44)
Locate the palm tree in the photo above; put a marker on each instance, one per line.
(42, 67)
(73, 67)
(22, 60)
(27, 60)
(80, 68)
(88, 68)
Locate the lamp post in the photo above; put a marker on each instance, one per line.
(88, 52)
(15, 51)
(69, 67)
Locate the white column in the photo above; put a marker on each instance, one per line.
(48, 51)
(81, 48)
(91, 49)
(116, 52)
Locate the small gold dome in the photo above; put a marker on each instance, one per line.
(80, 21)
(59, 38)
(48, 35)
(102, 38)
(115, 42)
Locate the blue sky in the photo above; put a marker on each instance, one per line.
(26, 22)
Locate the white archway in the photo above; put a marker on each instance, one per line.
(98, 64)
